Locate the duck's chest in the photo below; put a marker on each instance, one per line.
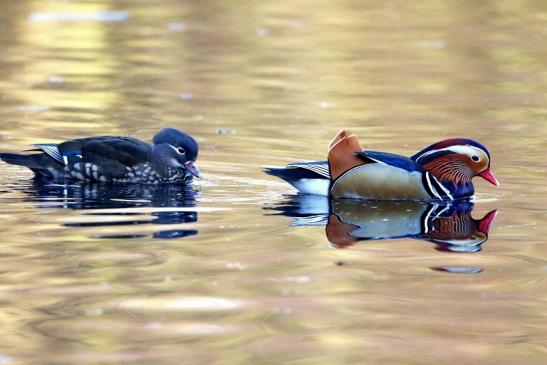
(380, 181)
(143, 173)
(146, 174)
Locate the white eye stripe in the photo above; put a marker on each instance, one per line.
(177, 149)
(464, 150)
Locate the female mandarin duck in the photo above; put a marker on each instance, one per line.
(442, 171)
(170, 159)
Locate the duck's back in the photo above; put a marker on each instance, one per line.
(125, 150)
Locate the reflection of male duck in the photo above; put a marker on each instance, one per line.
(448, 225)
(121, 197)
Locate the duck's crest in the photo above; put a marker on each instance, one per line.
(342, 154)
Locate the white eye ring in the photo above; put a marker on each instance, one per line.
(181, 150)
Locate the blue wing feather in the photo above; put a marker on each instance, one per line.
(391, 159)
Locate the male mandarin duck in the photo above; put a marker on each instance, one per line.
(170, 159)
(442, 171)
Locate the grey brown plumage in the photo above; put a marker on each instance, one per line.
(114, 159)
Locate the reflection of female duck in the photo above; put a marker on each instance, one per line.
(92, 196)
(450, 226)
(119, 198)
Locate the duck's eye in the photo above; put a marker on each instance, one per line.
(475, 158)
(181, 150)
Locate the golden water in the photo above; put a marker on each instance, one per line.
(225, 278)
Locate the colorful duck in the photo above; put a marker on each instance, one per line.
(442, 171)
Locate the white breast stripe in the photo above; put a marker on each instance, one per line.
(444, 188)
(431, 186)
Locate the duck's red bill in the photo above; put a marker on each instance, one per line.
(489, 176)
(193, 169)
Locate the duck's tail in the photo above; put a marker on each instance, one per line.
(306, 177)
(39, 163)
(30, 161)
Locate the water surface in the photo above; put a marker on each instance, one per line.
(239, 270)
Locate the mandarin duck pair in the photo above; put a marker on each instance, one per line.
(442, 171)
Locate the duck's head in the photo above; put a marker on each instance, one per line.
(456, 161)
(174, 148)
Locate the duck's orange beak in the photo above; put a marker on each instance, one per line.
(489, 176)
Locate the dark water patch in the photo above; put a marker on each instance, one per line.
(105, 224)
(120, 236)
(175, 233)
